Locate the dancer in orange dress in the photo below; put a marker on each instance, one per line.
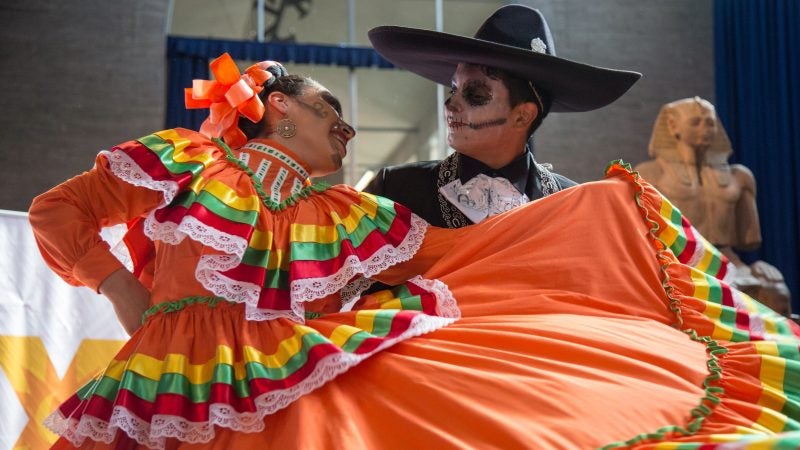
(238, 260)
(607, 326)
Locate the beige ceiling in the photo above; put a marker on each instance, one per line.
(396, 111)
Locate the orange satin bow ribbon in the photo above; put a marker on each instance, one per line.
(230, 94)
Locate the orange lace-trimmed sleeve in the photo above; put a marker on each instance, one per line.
(67, 219)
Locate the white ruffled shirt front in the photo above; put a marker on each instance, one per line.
(483, 196)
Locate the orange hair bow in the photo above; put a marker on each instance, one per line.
(229, 95)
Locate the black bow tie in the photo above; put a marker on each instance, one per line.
(515, 172)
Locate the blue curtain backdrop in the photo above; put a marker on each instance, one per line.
(757, 62)
(188, 58)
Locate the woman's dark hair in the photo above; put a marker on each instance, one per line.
(291, 85)
(521, 91)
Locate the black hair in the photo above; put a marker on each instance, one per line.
(521, 90)
(291, 85)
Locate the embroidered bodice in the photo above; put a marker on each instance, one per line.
(287, 175)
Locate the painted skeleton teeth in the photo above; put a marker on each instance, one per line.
(457, 124)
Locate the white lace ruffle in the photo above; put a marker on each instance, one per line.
(172, 233)
(126, 169)
(446, 305)
(352, 292)
(208, 273)
(153, 435)
(308, 289)
(66, 427)
(260, 314)
(134, 427)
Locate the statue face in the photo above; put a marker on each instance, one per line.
(694, 125)
(477, 111)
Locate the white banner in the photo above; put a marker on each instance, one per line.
(53, 337)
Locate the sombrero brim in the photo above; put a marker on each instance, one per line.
(573, 86)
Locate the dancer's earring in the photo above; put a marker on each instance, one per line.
(286, 128)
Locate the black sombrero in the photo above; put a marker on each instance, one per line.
(515, 38)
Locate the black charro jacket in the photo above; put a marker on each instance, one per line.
(416, 185)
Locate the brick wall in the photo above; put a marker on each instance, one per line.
(77, 77)
(669, 42)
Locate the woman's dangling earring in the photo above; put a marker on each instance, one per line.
(286, 128)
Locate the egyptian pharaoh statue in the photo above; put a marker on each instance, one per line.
(690, 167)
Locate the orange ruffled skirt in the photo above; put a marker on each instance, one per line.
(581, 328)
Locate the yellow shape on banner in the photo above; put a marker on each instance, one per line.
(27, 366)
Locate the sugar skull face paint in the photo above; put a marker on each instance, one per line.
(476, 111)
(475, 92)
